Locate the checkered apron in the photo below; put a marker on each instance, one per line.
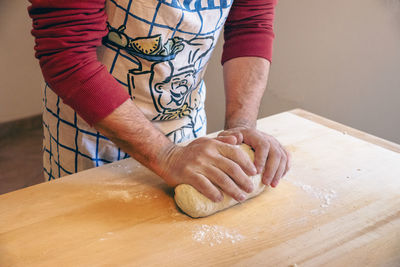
(158, 50)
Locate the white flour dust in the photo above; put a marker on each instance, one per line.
(126, 196)
(128, 169)
(215, 234)
(119, 194)
(143, 195)
(109, 234)
(324, 195)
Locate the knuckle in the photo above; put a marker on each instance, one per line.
(283, 156)
(214, 195)
(275, 151)
(220, 180)
(186, 169)
(263, 143)
(232, 170)
(201, 185)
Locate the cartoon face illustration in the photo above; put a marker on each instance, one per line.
(179, 86)
(174, 84)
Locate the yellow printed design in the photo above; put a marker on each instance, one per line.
(147, 46)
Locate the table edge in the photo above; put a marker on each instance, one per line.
(346, 129)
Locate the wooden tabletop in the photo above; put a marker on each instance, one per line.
(338, 206)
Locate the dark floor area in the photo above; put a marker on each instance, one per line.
(21, 160)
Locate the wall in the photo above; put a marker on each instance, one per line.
(20, 76)
(339, 59)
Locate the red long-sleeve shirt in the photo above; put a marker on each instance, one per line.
(67, 33)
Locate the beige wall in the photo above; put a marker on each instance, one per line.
(20, 76)
(339, 59)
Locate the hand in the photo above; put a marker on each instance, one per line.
(269, 153)
(209, 165)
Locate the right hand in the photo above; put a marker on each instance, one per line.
(209, 165)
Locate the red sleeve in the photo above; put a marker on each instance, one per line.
(249, 29)
(67, 33)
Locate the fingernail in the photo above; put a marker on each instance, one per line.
(259, 169)
(267, 182)
(241, 197)
(250, 188)
(274, 183)
(254, 170)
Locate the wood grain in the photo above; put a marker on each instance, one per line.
(338, 206)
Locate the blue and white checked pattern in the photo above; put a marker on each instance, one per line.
(59, 136)
(70, 145)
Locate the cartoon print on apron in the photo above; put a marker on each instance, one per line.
(158, 50)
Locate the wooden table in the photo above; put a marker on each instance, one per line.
(338, 206)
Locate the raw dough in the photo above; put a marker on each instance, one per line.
(195, 204)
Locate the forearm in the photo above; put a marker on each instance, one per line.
(245, 80)
(130, 130)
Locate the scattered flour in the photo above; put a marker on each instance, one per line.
(214, 235)
(142, 195)
(119, 194)
(324, 195)
(121, 182)
(109, 234)
(125, 168)
(125, 196)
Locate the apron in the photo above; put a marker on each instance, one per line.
(158, 50)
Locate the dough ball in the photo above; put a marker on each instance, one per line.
(196, 205)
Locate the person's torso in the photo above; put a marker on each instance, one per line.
(158, 50)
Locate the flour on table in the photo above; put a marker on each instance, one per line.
(126, 196)
(324, 195)
(215, 235)
(143, 195)
(119, 194)
(128, 169)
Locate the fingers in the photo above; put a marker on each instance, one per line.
(207, 185)
(227, 185)
(233, 171)
(276, 165)
(288, 162)
(237, 134)
(269, 156)
(229, 139)
(261, 151)
(271, 166)
(239, 157)
(281, 169)
(204, 186)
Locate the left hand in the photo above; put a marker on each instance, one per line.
(268, 153)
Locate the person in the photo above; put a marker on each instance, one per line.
(125, 77)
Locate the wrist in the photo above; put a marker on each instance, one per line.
(163, 161)
(239, 123)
